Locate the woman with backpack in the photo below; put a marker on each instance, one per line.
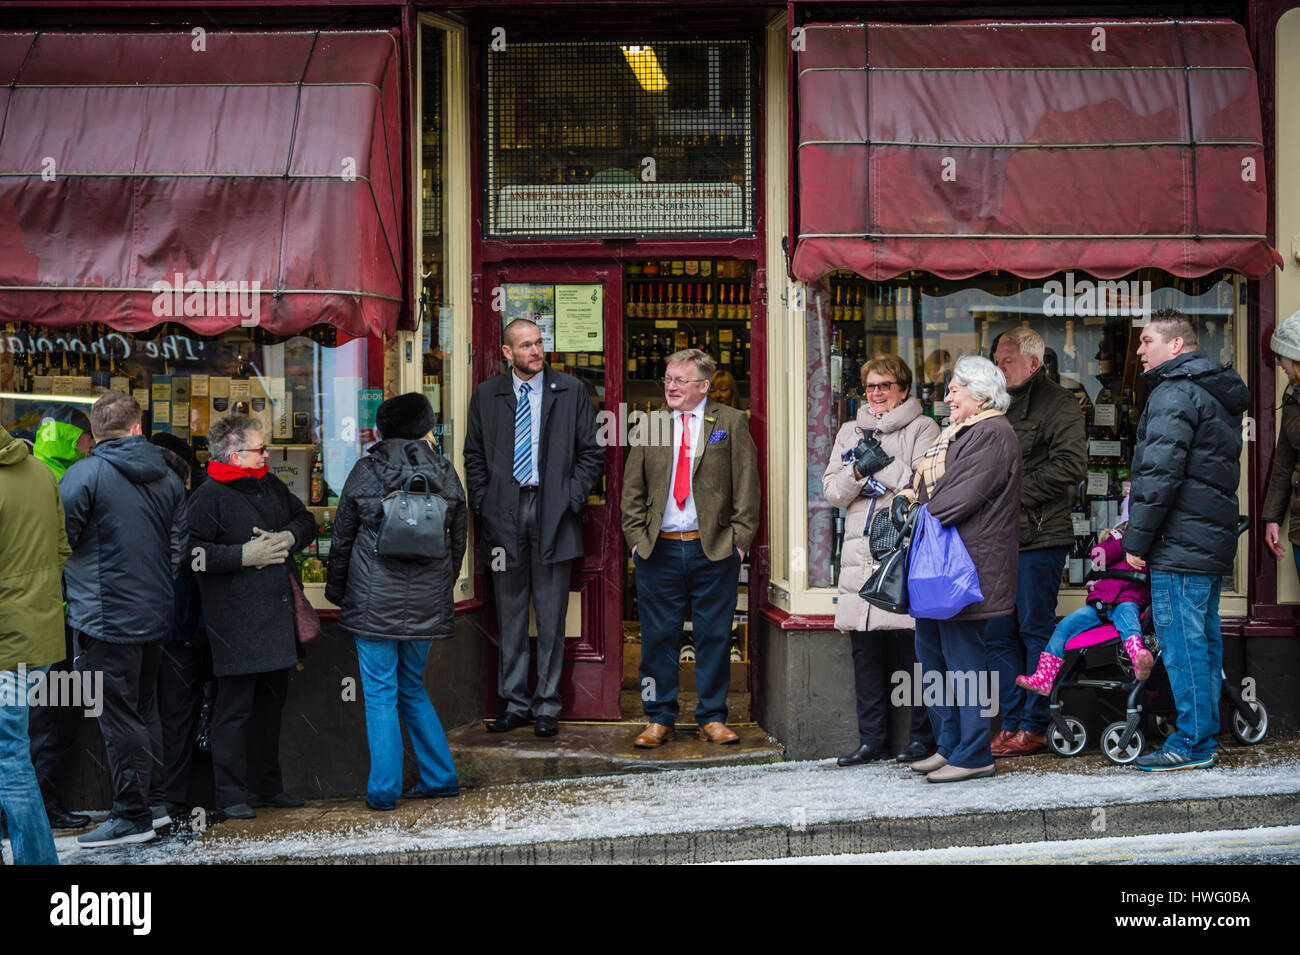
(396, 606)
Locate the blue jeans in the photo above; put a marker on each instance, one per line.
(20, 796)
(1186, 612)
(392, 679)
(1123, 615)
(957, 647)
(1015, 641)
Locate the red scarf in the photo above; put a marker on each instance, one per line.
(226, 473)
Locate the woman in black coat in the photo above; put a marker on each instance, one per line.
(396, 608)
(244, 524)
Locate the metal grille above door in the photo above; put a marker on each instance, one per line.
(629, 139)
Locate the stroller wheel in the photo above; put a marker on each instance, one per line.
(1243, 731)
(1062, 745)
(1110, 738)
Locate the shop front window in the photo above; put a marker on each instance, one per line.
(1091, 331)
(312, 392)
(620, 138)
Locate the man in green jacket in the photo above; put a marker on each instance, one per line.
(62, 440)
(33, 548)
(1054, 450)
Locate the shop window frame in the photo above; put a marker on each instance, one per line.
(790, 590)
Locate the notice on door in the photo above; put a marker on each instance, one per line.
(579, 318)
(535, 303)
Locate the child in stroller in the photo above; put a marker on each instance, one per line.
(1121, 602)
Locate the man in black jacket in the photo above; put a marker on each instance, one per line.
(531, 459)
(125, 515)
(1183, 522)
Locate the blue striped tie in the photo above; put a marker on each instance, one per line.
(523, 437)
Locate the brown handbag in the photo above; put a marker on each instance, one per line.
(306, 621)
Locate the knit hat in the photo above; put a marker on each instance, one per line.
(407, 416)
(1286, 338)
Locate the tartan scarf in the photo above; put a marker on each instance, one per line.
(935, 459)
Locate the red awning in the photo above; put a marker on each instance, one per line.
(267, 159)
(1032, 148)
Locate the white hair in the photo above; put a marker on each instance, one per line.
(1029, 342)
(984, 380)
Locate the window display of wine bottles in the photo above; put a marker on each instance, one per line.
(1091, 332)
(685, 303)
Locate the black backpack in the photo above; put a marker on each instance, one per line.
(414, 526)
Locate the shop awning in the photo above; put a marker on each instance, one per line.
(272, 161)
(1030, 147)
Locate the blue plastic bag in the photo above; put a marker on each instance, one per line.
(941, 577)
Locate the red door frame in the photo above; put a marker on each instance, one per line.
(614, 252)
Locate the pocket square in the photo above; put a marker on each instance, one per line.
(717, 436)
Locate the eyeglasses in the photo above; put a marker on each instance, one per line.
(261, 450)
(682, 382)
(879, 385)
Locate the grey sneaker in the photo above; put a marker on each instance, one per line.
(114, 832)
(1163, 761)
(161, 817)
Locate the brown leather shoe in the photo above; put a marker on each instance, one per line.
(656, 734)
(718, 733)
(1001, 744)
(1027, 742)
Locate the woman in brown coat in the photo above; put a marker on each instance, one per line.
(894, 418)
(970, 479)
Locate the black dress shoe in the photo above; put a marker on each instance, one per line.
(914, 752)
(546, 726)
(504, 724)
(863, 754)
(60, 818)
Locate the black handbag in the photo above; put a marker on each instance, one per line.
(887, 587)
(414, 526)
(883, 535)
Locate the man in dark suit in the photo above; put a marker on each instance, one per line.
(531, 459)
(690, 511)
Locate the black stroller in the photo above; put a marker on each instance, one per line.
(1149, 701)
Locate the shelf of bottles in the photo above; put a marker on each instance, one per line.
(1091, 351)
(676, 304)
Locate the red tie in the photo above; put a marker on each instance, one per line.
(682, 481)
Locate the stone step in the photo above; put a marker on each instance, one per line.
(596, 749)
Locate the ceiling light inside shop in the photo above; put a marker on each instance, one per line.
(645, 66)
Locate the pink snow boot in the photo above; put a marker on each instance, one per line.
(1042, 679)
(1140, 655)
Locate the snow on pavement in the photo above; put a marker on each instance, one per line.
(694, 800)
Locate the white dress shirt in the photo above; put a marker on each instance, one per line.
(535, 406)
(677, 519)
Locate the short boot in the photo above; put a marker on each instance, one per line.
(1140, 655)
(1042, 679)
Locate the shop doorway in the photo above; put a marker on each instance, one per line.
(578, 310)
